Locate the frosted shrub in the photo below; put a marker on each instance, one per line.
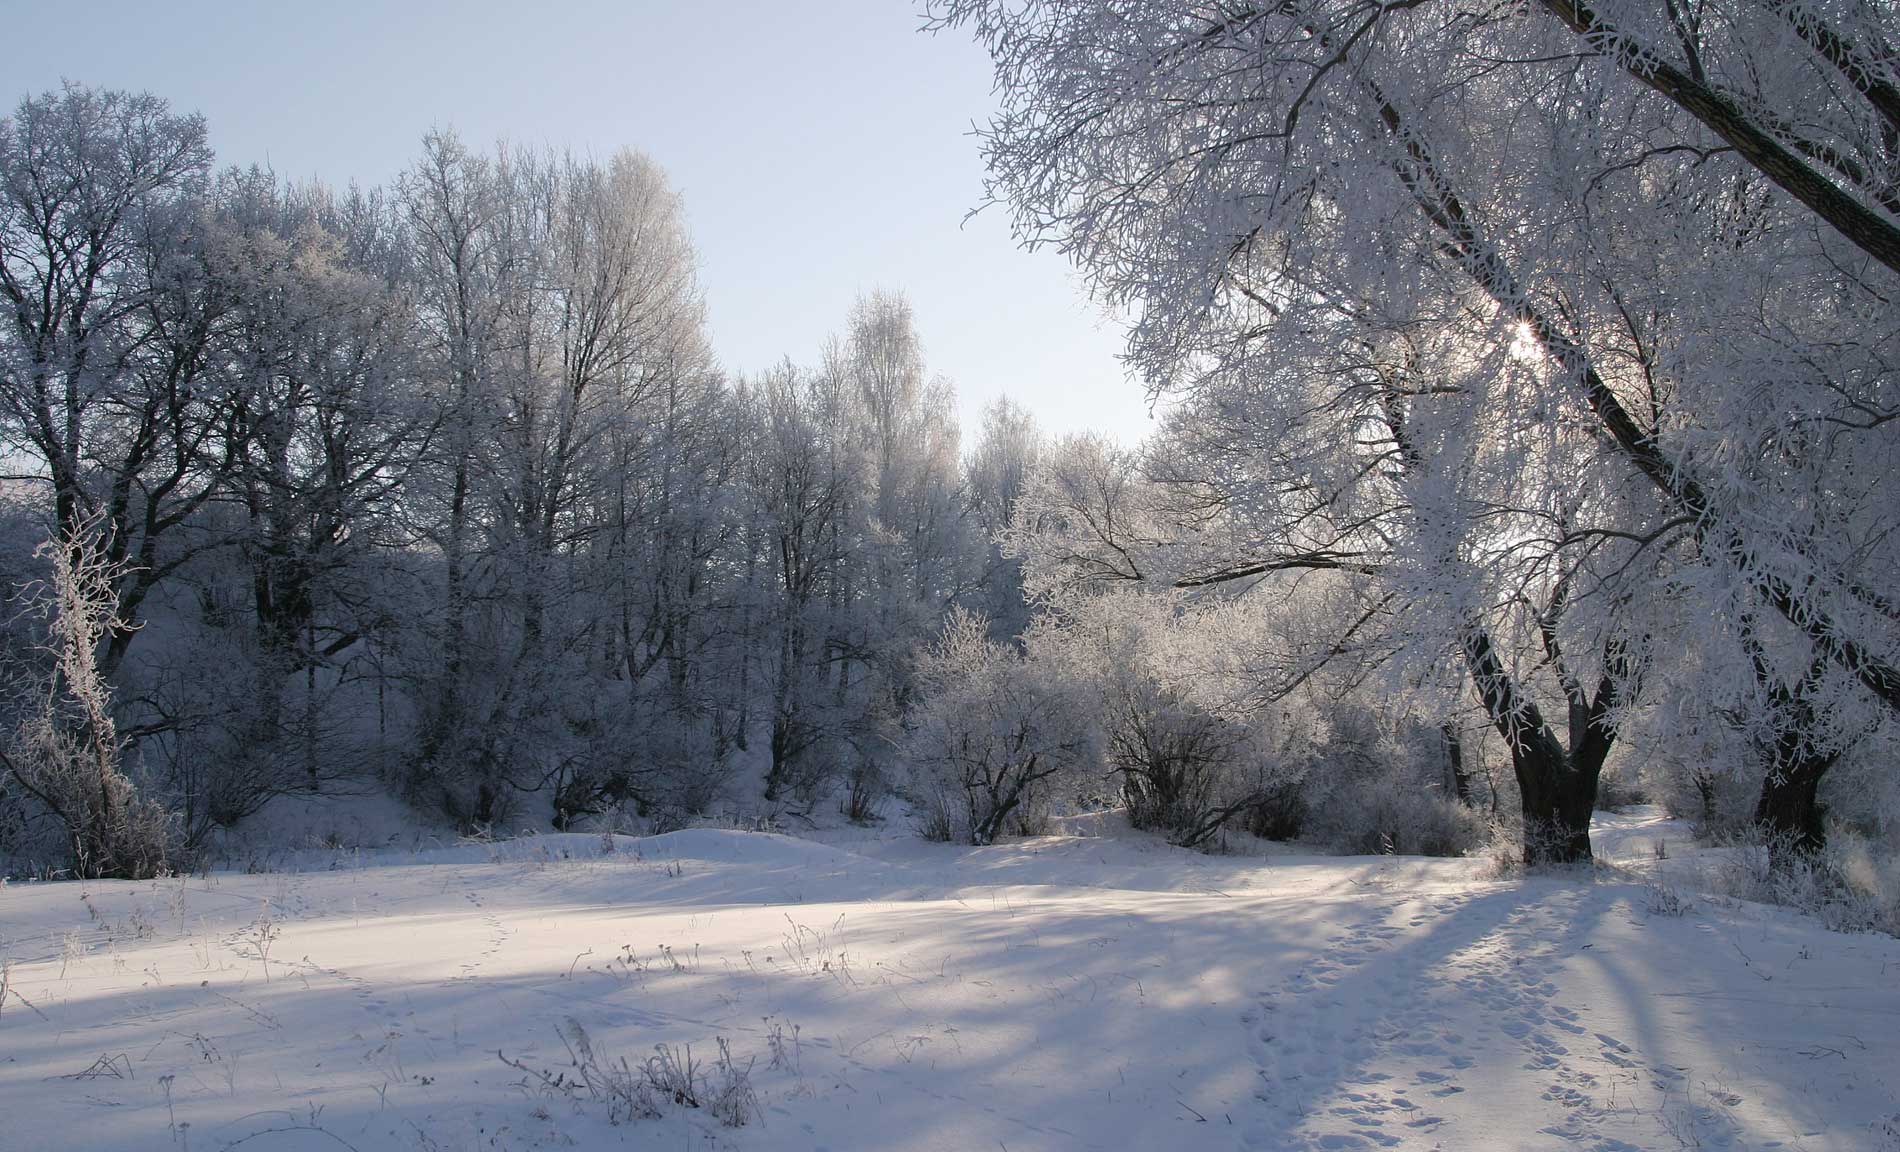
(1388, 815)
(1701, 778)
(1847, 885)
(1277, 813)
(870, 738)
(1376, 790)
(865, 791)
(65, 752)
(644, 758)
(1182, 767)
(1185, 741)
(228, 728)
(995, 733)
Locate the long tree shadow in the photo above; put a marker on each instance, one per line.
(933, 1014)
(1103, 1019)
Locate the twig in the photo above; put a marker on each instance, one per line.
(105, 1066)
(292, 1128)
(22, 999)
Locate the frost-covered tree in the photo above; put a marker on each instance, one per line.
(800, 482)
(443, 483)
(565, 328)
(109, 381)
(325, 424)
(996, 734)
(467, 266)
(1307, 198)
(1007, 449)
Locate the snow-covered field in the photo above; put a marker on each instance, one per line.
(1058, 993)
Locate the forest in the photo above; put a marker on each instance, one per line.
(1528, 445)
(453, 700)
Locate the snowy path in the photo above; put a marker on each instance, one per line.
(1058, 994)
(1423, 1001)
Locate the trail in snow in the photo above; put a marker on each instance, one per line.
(1456, 1021)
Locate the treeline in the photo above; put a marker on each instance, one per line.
(439, 485)
(438, 489)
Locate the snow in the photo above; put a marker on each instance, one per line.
(1066, 992)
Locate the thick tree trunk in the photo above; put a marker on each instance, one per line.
(1790, 811)
(1557, 800)
(1557, 789)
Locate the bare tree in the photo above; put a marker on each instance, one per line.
(107, 375)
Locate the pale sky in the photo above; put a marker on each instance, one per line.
(823, 149)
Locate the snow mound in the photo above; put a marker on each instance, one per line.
(728, 846)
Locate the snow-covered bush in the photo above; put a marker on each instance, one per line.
(1698, 766)
(1278, 813)
(1848, 885)
(225, 729)
(1861, 794)
(1186, 745)
(646, 757)
(1388, 814)
(1379, 788)
(1180, 764)
(995, 735)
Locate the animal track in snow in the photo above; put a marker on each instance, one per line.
(1404, 1000)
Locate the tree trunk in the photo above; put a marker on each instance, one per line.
(1557, 790)
(1455, 755)
(1557, 801)
(1790, 811)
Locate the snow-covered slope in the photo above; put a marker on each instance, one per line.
(1058, 993)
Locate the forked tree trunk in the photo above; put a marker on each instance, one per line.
(1557, 786)
(1557, 797)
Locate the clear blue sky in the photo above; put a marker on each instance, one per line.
(823, 149)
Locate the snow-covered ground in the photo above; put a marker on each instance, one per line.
(1081, 992)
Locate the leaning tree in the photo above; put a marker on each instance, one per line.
(1679, 222)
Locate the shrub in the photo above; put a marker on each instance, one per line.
(1277, 813)
(1845, 886)
(1180, 764)
(65, 752)
(995, 732)
(1379, 788)
(1386, 815)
